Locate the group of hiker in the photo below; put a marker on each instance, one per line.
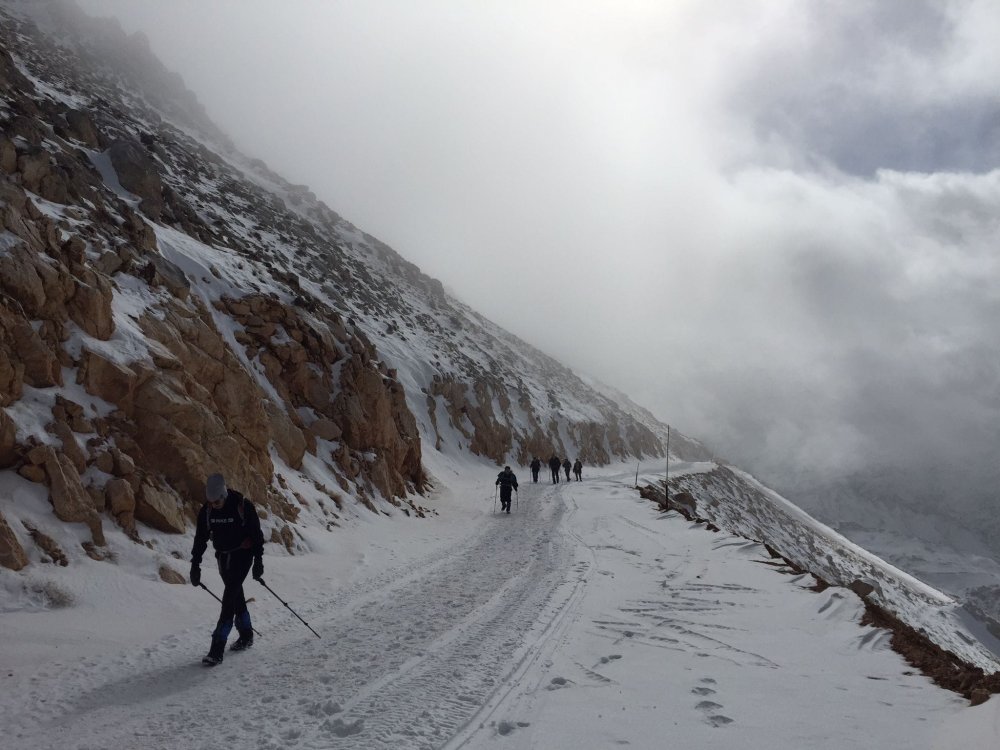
(507, 481)
(554, 465)
(230, 521)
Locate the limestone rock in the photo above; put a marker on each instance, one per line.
(90, 306)
(25, 349)
(82, 128)
(288, 438)
(979, 696)
(33, 473)
(49, 546)
(105, 379)
(863, 587)
(120, 497)
(68, 497)
(12, 554)
(8, 440)
(159, 509)
(137, 173)
(8, 155)
(326, 429)
(169, 575)
(70, 448)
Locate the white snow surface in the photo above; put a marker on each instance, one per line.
(583, 619)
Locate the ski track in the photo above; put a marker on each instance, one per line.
(407, 659)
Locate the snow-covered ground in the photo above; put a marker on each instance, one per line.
(584, 619)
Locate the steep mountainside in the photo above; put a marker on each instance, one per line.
(170, 307)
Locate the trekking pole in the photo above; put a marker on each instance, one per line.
(261, 582)
(495, 490)
(220, 602)
(517, 499)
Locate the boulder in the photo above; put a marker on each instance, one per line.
(90, 306)
(105, 379)
(68, 497)
(162, 272)
(288, 438)
(8, 155)
(12, 554)
(119, 497)
(82, 128)
(70, 448)
(34, 165)
(863, 586)
(978, 697)
(138, 173)
(169, 575)
(41, 366)
(8, 440)
(326, 429)
(159, 509)
(124, 465)
(105, 462)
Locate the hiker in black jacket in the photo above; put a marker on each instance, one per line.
(554, 465)
(578, 470)
(231, 521)
(536, 465)
(566, 467)
(507, 482)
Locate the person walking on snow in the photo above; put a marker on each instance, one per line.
(231, 521)
(578, 470)
(554, 464)
(507, 482)
(566, 467)
(536, 465)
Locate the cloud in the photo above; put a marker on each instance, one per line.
(772, 222)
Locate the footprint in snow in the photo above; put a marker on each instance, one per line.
(341, 728)
(558, 682)
(606, 659)
(703, 691)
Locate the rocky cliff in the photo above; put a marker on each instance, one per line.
(170, 307)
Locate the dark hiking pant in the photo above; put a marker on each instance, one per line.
(534, 475)
(555, 476)
(233, 567)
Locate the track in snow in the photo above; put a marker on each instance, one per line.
(407, 660)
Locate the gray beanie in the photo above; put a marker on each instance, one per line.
(215, 488)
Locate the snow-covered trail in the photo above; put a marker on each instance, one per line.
(584, 619)
(406, 658)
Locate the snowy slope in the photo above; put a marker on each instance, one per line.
(583, 619)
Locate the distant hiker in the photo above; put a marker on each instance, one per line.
(554, 465)
(507, 482)
(536, 465)
(578, 470)
(231, 521)
(566, 467)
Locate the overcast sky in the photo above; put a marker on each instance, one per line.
(773, 223)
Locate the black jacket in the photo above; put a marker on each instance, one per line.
(554, 463)
(536, 465)
(506, 480)
(234, 526)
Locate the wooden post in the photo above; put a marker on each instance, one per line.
(666, 478)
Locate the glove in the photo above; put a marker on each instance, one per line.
(258, 568)
(195, 574)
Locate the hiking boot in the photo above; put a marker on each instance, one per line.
(242, 643)
(210, 660)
